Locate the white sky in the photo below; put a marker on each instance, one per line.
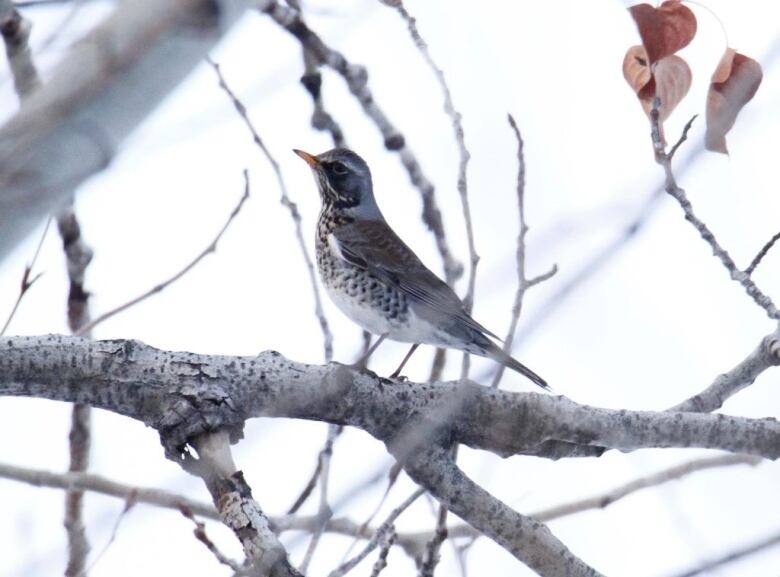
(654, 326)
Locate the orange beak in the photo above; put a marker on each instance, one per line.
(310, 159)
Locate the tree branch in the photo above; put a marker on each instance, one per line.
(108, 83)
(523, 283)
(287, 202)
(212, 247)
(183, 395)
(671, 187)
(766, 355)
(237, 509)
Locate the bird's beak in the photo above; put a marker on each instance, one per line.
(310, 159)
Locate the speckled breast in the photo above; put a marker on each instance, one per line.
(369, 302)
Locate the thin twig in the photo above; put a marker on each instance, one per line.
(381, 530)
(735, 555)
(324, 513)
(456, 120)
(104, 486)
(431, 557)
(523, 284)
(761, 254)
(356, 78)
(129, 504)
(78, 256)
(327, 336)
(728, 384)
(653, 480)
(200, 535)
(388, 539)
(16, 32)
(671, 187)
(412, 542)
(27, 281)
(312, 81)
(212, 247)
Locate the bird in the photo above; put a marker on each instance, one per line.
(376, 280)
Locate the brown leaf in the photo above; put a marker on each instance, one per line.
(664, 30)
(636, 68)
(670, 80)
(673, 78)
(734, 82)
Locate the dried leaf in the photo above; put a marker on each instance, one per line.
(734, 82)
(673, 78)
(664, 30)
(670, 80)
(636, 69)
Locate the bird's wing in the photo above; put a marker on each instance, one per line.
(374, 247)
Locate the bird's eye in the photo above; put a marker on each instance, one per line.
(338, 168)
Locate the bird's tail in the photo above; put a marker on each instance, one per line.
(497, 354)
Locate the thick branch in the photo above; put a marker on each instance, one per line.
(524, 537)
(766, 355)
(183, 395)
(110, 81)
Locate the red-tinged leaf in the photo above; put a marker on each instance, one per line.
(734, 82)
(670, 79)
(664, 30)
(636, 68)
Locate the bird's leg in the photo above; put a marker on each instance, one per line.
(403, 362)
(362, 361)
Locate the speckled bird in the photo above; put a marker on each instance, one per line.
(376, 279)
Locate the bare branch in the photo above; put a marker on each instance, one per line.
(196, 394)
(412, 542)
(16, 32)
(388, 539)
(457, 126)
(528, 540)
(386, 526)
(78, 256)
(710, 567)
(324, 512)
(97, 94)
(312, 81)
(287, 202)
(766, 355)
(129, 504)
(671, 187)
(237, 509)
(177, 392)
(761, 254)
(683, 137)
(356, 78)
(27, 280)
(523, 284)
(200, 535)
(212, 247)
(79, 442)
(431, 556)
(653, 480)
(104, 486)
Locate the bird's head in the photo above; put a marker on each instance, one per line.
(343, 178)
